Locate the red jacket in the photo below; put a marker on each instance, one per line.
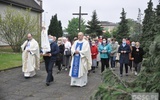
(128, 42)
(94, 51)
(100, 40)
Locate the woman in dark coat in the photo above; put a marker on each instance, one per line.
(137, 54)
(124, 51)
(60, 55)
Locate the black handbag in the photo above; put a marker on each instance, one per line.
(68, 52)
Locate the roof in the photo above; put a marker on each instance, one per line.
(106, 23)
(24, 4)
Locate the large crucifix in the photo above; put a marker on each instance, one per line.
(80, 14)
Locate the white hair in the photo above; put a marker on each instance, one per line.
(64, 38)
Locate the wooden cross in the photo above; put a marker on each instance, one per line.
(80, 14)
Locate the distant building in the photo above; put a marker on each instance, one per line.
(108, 26)
(22, 5)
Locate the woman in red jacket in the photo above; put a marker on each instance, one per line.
(94, 52)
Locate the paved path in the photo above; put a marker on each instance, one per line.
(131, 76)
(13, 86)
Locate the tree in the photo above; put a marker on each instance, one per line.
(114, 88)
(136, 33)
(72, 28)
(149, 78)
(134, 29)
(107, 35)
(123, 29)
(60, 30)
(114, 32)
(139, 21)
(147, 34)
(133, 26)
(156, 25)
(15, 25)
(50, 29)
(54, 28)
(94, 25)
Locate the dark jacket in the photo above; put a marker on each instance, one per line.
(61, 52)
(54, 50)
(137, 55)
(61, 49)
(124, 57)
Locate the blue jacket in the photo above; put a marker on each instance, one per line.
(107, 48)
(54, 50)
(124, 57)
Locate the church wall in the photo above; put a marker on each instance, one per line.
(34, 14)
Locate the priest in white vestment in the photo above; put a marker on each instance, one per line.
(81, 61)
(30, 57)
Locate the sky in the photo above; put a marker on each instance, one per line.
(107, 10)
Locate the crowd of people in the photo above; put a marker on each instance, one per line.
(110, 54)
(81, 56)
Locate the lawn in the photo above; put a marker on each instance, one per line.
(10, 60)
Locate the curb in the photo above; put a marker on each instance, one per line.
(3, 70)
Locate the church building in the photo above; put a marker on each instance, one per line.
(22, 5)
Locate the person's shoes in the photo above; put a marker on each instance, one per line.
(52, 80)
(58, 71)
(93, 71)
(126, 74)
(26, 77)
(47, 83)
(66, 69)
(88, 73)
(136, 73)
(63, 68)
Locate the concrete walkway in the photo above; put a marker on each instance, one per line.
(13, 86)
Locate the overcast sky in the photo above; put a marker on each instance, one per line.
(107, 10)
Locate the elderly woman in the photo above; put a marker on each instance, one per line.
(137, 54)
(60, 54)
(67, 52)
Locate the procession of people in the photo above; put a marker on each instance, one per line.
(80, 57)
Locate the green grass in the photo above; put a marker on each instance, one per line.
(10, 60)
